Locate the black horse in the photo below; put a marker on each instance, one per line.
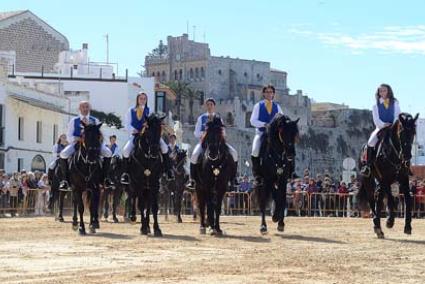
(56, 197)
(116, 191)
(172, 190)
(147, 164)
(85, 176)
(391, 164)
(212, 175)
(276, 155)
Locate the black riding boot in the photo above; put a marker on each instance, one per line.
(291, 167)
(367, 167)
(63, 170)
(125, 178)
(258, 180)
(106, 174)
(191, 184)
(168, 166)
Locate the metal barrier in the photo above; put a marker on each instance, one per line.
(34, 201)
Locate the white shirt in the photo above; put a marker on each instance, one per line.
(198, 126)
(128, 125)
(375, 113)
(255, 114)
(70, 133)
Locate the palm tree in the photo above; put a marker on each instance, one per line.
(192, 95)
(184, 92)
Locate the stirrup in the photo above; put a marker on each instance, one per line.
(125, 178)
(366, 171)
(191, 184)
(64, 186)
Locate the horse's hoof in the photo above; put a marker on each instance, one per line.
(263, 229)
(157, 232)
(96, 225)
(115, 220)
(179, 220)
(281, 227)
(275, 218)
(82, 231)
(379, 233)
(74, 227)
(212, 232)
(408, 230)
(144, 231)
(60, 219)
(202, 230)
(133, 220)
(390, 223)
(194, 218)
(218, 232)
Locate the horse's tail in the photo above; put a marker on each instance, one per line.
(365, 194)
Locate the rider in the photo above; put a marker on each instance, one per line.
(172, 146)
(262, 114)
(199, 132)
(74, 136)
(57, 148)
(135, 121)
(385, 112)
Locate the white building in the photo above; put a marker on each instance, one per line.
(31, 122)
(419, 144)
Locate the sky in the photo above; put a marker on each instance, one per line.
(335, 51)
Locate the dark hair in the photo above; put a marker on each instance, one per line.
(137, 98)
(59, 139)
(390, 93)
(210, 100)
(269, 87)
(173, 135)
(113, 136)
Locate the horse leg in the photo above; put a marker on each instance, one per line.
(178, 194)
(132, 208)
(154, 201)
(82, 228)
(390, 204)
(106, 194)
(262, 201)
(142, 209)
(117, 198)
(218, 205)
(377, 215)
(75, 206)
(210, 211)
(95, 209)
(404, 186)
(201, 206)
(60, 213)
(282, 197)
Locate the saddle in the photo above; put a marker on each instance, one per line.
(382, 135)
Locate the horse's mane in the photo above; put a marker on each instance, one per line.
(211, 126)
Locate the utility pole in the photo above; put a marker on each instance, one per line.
(107, 48)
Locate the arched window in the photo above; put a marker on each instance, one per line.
(180, 74)
(202, 72)
(196, 72)
(158, 74)
(38, 164)
(175, 75)
(191, 73)
(163, 76)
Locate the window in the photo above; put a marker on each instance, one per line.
(201, 98)
(20, 164)
(175, 75)
(20, 128)
(38, 164)
(163, 76)
(219, 72)
(252, 96)
(196, 72)
(157, 74)
(1, 126)
(245, 74)
(55, 133)
(202, 72)
(191, 73)
(180, 74)
(1, 160)
(38, 131)
(153, 74)
(160, 102)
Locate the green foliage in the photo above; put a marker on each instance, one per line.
(109, 119)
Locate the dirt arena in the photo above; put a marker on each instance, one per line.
(311, 250)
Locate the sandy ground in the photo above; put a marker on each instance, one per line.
(311, 250)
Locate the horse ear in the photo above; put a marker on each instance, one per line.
(401, 117)
(296, 120)
(99, 125)
(416, 117)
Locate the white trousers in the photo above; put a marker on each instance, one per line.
(129, 146)
(53, 164)
(198, 150)
(70, 149)
(256, 145)
(373, 139)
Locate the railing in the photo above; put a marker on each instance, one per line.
(34, 201)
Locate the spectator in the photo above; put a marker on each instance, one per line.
(42, 193)
(4, 195)
(314, 196)
(342, 199)
(13, 186)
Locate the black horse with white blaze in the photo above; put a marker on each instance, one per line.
(86, 175)
(276, 155)
(213, 173)
(391, 164)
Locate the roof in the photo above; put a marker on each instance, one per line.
(6, 15)
(38, 103)
(277, 70)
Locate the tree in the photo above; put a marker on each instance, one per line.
(184, 92)
(109, 119)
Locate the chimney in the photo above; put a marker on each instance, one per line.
(85, 46)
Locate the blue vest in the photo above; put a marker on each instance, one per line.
(77, 125)
(138, 124)
(386, 114)
(60, 148)
(113, 148)
(263, 114)
(204, 120)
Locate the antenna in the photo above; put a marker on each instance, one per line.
(187, 27)
(107, 48)
(194, 33)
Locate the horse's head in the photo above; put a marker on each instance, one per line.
(406, 130)
(151, 133)
(284, 131)
(213, 138)
(91, 141)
